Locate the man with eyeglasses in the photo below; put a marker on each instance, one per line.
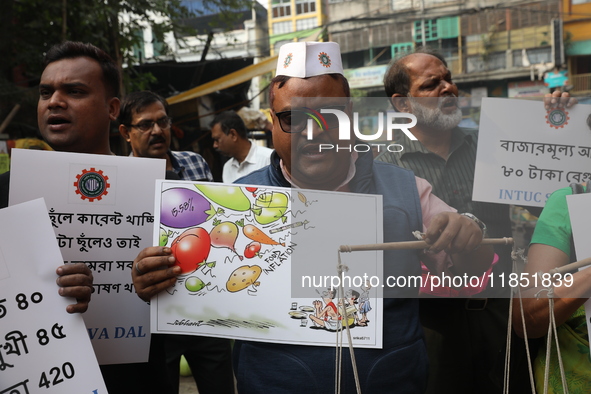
(145, 124)
(313, 73)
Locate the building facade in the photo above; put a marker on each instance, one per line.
(501, 49)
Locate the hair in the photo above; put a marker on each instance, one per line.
(230, 120)
(136, 102)
(397, 79)
(280, 80)
(72, 50)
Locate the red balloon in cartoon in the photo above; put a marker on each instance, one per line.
(191, 249)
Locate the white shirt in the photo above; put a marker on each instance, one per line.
(258, 157)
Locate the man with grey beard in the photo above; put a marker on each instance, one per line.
(435, 118)
(465, 337)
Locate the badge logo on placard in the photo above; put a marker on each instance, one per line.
(92, 184)
(557, 118)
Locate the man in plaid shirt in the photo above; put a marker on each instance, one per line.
(189, 166)
(145, 124)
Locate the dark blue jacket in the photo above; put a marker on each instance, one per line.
(401, 366)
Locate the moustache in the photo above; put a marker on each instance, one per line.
(447, 100)
(156, 139)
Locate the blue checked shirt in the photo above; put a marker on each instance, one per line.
(190, 166)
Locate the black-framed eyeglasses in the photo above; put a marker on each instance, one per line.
(296, 119)
(147, 125)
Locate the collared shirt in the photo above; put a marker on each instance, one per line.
(258, 157)
(452, 179)
(190, 166)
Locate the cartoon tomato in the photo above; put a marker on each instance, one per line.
(191, 249)
(252, 249)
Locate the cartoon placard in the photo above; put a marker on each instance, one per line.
(260, 263)
(42, 347)
(101, 210)
(526, 152)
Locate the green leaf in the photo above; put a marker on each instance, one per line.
(211, 212)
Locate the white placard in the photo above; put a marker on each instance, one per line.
(247, 253)
(42, 347)
(101, 209)
(525, 152)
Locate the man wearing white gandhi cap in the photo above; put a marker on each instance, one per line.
(308, 59)
(310, 78)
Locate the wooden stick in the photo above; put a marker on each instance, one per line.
(571, 267)
(414, 245)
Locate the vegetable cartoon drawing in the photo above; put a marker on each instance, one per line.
(224, 235)
(231, 197)
(183, 208)
(163, 240)
(243, 277)
(270, 207)
(191, 249)
(255, 234)
(195, 284)
(252, 249)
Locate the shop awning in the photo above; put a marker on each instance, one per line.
(300, 35)
(226, 81)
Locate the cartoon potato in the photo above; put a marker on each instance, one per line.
(243, 277)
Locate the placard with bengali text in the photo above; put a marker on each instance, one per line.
(101, 210)
(525, 152)
(43, 349)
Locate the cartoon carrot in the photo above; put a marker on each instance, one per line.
(255, 234)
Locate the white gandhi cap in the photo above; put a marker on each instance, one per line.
(308, 59)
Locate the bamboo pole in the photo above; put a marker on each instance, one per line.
(413, 245)
(571, 267)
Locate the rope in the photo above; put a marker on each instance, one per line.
(548, 343)
(560, 364)
(530, 368)
(507, 372)
(341, 296)
(528, 352)
(338, 362)
(552, 332)
(515, 254)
